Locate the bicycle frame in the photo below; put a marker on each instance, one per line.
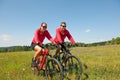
(44, 55)
(65, 51)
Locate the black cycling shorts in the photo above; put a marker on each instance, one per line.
(63, 46)
(33, 45)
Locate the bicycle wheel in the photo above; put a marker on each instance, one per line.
(72, 68)
(53, 70)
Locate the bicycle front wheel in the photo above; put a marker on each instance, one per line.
(53, 70)
(72, 68)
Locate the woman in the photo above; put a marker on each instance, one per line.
(38, 39)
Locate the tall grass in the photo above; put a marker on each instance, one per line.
(16, 66)
(99, 63)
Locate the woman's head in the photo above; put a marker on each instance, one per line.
(43, 26)
(63, 25)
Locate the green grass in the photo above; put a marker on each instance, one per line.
(99, 63)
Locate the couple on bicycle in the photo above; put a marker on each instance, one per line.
(42, 32)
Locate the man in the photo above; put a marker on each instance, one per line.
(61, 34)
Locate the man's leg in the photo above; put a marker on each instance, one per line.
(58, 49)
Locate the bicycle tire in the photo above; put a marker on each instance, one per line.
(72, 68)
(53, 70)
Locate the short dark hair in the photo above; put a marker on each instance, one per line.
(63, 23)
(43, 23)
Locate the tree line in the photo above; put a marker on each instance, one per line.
(114, 41)
(15, 48)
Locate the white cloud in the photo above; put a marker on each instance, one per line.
(5, 37)
(8, 40)
(88, 30)
(5, 40)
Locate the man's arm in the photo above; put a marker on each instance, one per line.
(70, 38)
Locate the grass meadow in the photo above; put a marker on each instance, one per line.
(99, 63)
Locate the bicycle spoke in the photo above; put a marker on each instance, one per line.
(53, 70)
(73, 68)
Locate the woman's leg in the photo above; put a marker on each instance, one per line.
(37, 49)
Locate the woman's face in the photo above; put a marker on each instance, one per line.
(63, 26)
(44, 27)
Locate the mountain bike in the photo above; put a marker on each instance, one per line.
(72, 66)
(51, 67)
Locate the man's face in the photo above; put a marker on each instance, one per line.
(63, 26)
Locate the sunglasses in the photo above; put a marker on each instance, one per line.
(63, 26)
(44, 26)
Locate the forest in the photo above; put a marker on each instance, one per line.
(114, 41)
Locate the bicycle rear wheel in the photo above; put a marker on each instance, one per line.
(72, 68)
(53, 70)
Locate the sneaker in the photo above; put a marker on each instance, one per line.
(34, 62)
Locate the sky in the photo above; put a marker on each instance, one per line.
(87, 20)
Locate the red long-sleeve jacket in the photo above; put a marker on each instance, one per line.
(39, 36)
(61, 36)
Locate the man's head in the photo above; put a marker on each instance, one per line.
(63, 25)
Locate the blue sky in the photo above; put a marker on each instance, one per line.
(87, 20)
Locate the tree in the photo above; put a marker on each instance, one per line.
(118, 40)
(113, 41)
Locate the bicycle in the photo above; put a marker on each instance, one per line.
(72, 66)
(53, 69)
